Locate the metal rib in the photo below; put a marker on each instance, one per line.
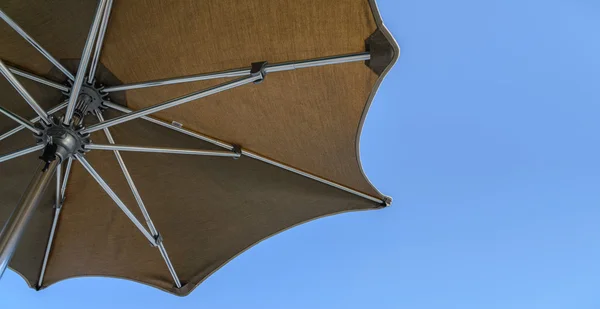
(212, 153)
(165, 256)
(317, 62)
(179, 80)
(48, 247)
(57, 208)
(170, 126)
(115, 198)
(21, 152)
(23, 92)
(142, 206)
(271, 68)
(35, 44)
(308, 175)
(99, 40)
(38, 79)
(248, 153)
(83, 63)
(34, 120)
(22, 121)
(58, 195)
(63, 189)
(178, 101)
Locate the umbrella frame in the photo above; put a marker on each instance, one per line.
(58, 151)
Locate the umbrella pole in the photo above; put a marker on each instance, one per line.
(15, 226)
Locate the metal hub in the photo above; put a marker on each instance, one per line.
(90, 99)
(96, 97)
(67, 140)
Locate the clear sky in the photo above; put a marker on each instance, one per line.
(486, 133)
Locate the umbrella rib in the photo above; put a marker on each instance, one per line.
(115, 198)
(57, 209)
(58, 196)
(21, 152)
(23, 92)
(142, 206)
(167, 125)
(245, 153)
(63, 189)
(270, 68)
(165, 256)
(20, 120)
(117, 147)
(179, 80)
(99, 40)
(38, 79)
(83, 63)
(174, 102)
(34, 120)
(35, 44)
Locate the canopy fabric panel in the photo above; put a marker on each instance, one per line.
(207, 209)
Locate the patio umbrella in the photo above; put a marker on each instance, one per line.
(174, 135)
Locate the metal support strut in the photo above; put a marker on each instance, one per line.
(241, 152)
(83, 64)
(15, 226)
(142, 206)
(59, 200)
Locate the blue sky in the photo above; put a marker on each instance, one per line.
(486, 134)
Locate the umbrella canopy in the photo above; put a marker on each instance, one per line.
(244, 121)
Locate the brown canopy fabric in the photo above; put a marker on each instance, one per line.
(207, 209)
